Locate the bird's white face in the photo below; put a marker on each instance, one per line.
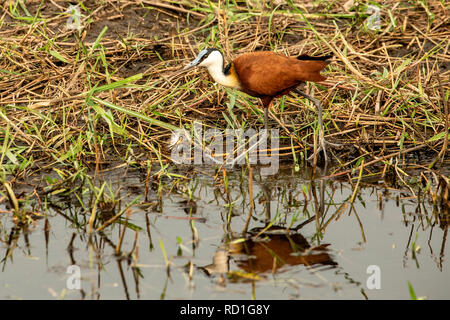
(207, 58)
(213, 59)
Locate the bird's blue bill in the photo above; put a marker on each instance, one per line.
(197, 60)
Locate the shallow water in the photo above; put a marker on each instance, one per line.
(201, 240)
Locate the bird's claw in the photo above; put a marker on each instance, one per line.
(322, 147)
(334, 145)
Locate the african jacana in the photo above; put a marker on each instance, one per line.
(266, 75)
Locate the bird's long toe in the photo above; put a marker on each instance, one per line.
(323, 143)
(317, 152)
(334, 145)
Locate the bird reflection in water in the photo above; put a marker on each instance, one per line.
(269, 251)
(272, 248)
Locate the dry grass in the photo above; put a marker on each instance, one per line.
(114, 91)
(82, 103)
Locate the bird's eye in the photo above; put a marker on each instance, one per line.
(203, 54)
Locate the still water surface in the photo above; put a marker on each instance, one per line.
(333, 250)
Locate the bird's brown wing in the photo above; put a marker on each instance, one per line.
(269, 74)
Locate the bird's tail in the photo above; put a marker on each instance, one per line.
(309, 58)
(310, 67)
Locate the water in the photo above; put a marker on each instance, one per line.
(194, 230)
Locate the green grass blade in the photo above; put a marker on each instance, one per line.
(137, 115)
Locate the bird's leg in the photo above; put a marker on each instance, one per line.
(322, 141)
(266, 117)
(266, 103)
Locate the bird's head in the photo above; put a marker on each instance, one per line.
(206, 58)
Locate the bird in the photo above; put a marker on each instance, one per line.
(267, 75)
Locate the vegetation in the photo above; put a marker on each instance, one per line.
(78, 102)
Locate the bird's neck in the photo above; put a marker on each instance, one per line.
(225, 76)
